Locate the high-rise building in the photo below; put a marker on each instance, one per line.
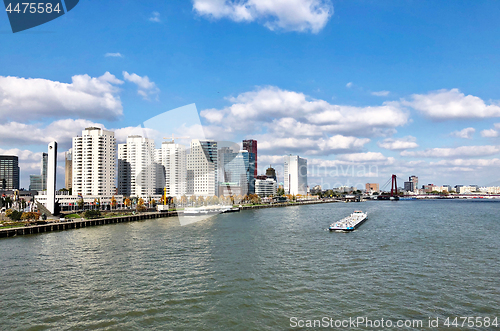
(251, 147)
(94, 163)
(9, 172)
(138, 172)
(172, 157)
(223, 157)
(372, 187)
(43, 170)
(295, 175)
(36, 183)
(409, 186)
(68, 169)
(39, 182)
(202, 168)
(236, 172)
(271, 173)
(414, 180)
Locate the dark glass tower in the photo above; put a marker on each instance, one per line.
(9, 172)
(251, 147)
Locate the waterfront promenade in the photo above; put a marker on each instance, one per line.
(82, 223)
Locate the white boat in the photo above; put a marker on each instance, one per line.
(350, 223)
(209, 210)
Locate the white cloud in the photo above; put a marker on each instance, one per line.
(463, 151)
(155, 17)
(113, 55)
(348, 85)
(288, 113)
(340, 144)
(35, 134)
(466, 133)
(337, 144)
(62, 131)
(288, 124)
(23, 155)
(35, 98)
(468, 163)
(362, 157)
(287, 15)
(452, 104)
(381, 93)
(490, 133)
(146, 88)
(29, 162)
(142, 82)
(359, 120)
(266, 160)
(398, 144)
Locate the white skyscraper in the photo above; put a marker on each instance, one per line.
(138, 172)
(202, 168)
(94, 163)
(295, 175)
(172, 157)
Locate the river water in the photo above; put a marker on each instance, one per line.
(255, 270)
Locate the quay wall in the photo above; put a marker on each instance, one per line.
(83, 223)
(77, 224)
(286, 204)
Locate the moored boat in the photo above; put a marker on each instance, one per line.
(209, 210)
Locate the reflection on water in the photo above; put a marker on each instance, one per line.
(255, 269)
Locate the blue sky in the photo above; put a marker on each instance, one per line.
(404, 87)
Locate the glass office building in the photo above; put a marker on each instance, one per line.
(9, 172)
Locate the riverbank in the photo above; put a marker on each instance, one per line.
(289, 204)
(82, 223)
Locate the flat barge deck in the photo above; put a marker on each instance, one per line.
(349, 223)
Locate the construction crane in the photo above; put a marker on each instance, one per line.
(173, 138)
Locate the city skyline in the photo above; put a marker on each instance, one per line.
(415, 95)
(161, 157)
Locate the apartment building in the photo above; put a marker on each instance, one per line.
(172, 157)
(139, 174)
(202, 168)
(94, 162)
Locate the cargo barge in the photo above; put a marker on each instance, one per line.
(350, 223)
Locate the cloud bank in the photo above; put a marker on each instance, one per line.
(35, 98)
(452, 104)
(293, 122)
(286, 15)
